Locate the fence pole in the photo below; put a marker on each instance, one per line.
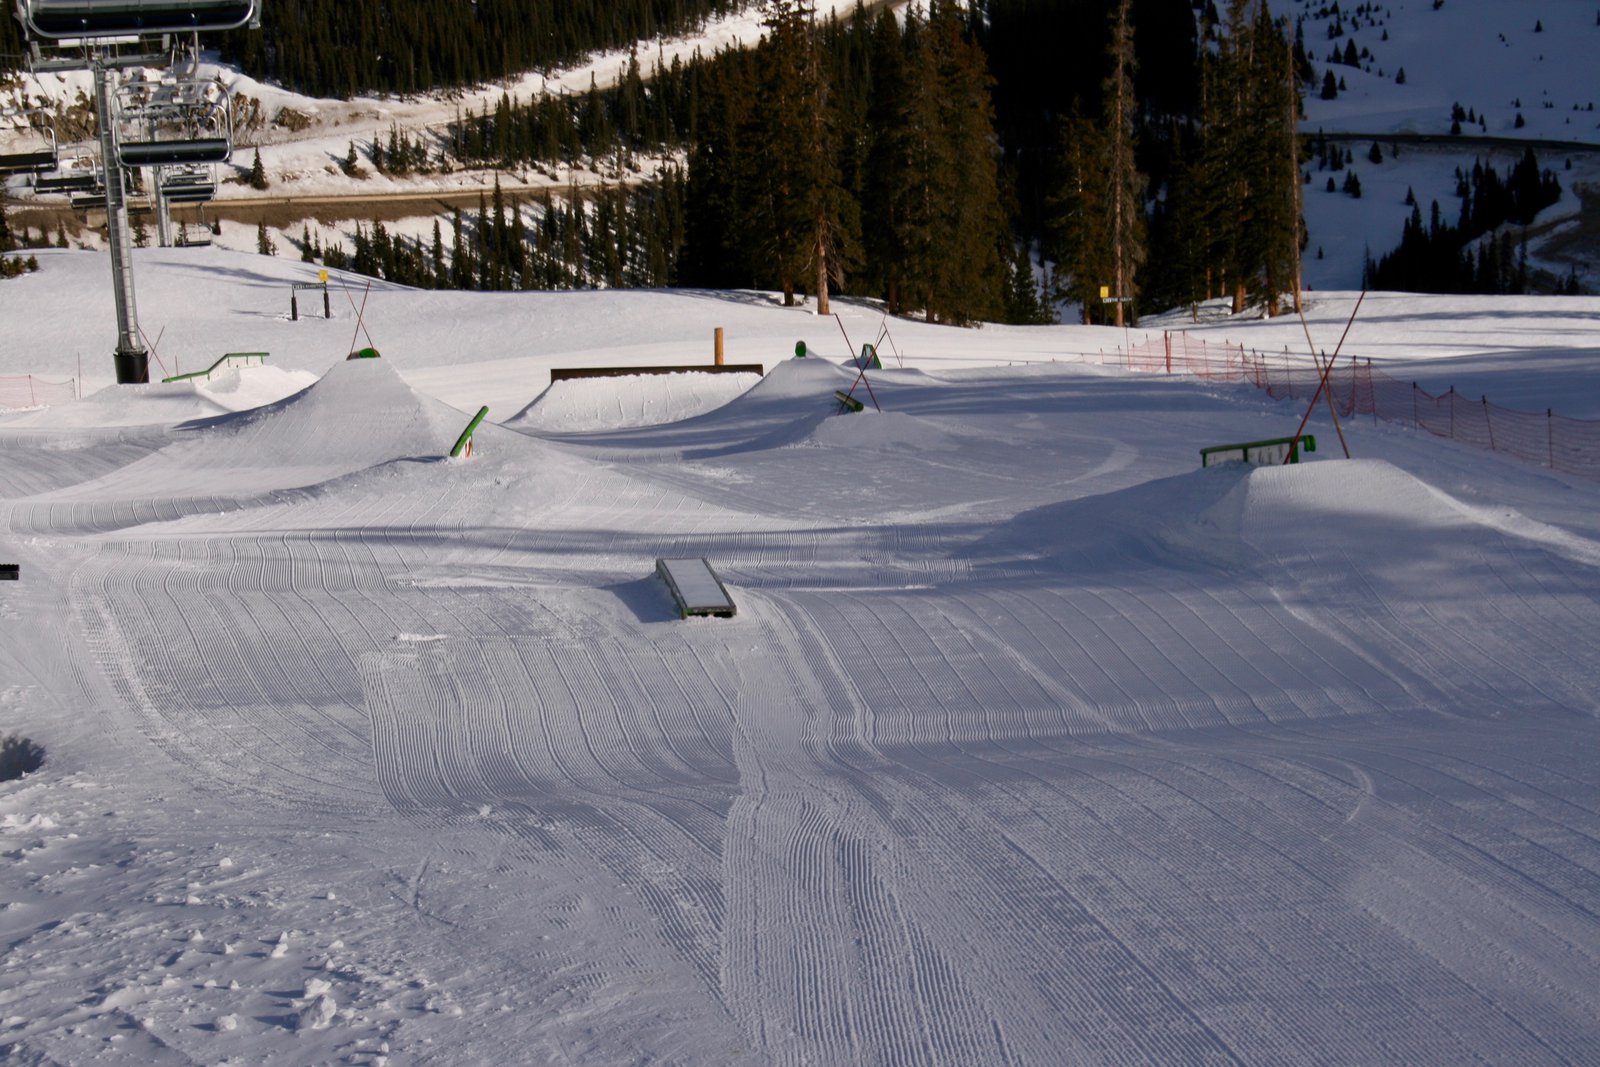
(1550, 434)
(1416, 417)
(1452, 395)
(33, 400)
(1166, 338)
(1487, 424)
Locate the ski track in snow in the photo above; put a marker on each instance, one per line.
(1029, 743)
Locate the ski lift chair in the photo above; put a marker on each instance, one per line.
(27, 143)
(174, 124)
(191, 184)
(91, 19)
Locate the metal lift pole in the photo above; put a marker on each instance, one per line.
(133, 361)
(163, 208)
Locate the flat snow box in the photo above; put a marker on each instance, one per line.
(695, 588)
(10, 572)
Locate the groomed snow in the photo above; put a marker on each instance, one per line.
(1031, 742)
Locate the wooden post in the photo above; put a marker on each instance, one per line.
(718, 346)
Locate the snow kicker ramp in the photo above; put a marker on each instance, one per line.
(781, 408)
(358, 416)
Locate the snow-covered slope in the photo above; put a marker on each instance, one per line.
(1031, 741)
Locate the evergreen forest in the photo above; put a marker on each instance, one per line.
(961, 161)
(921, 158)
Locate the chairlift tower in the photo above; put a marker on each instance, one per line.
(106, 37)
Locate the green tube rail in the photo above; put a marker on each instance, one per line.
(242, 358)
(466, 435)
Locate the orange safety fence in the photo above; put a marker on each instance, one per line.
(1550, 440)
(28, 391)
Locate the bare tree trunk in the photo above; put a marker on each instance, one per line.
(822, 271)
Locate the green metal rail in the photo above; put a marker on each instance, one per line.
(1269, 453)
(464, 442)
(242, 358)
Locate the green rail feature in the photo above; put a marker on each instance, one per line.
(1268, 453)
(464, 442)
(242, 359)
(847, 403)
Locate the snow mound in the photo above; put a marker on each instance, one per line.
(165, 403)
(242, 388)
(1324, 515)
(1373, 508)
(800, 379)
(793, 389)
(631, 400)
(357, 415)
(127, 405)
(874, 430)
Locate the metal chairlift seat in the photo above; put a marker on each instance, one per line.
(89, 19)
(190, 185)
(66, 183)
(28, 149)
(174, 123)
(175, 153)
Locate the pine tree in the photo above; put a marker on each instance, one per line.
(258, 173)
(946, 183)
(881, 232)
(1078, 213)
(781, 173)
(1278, 198)
(1024, 305)
(1250, 162)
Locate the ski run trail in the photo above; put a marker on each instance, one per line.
(1032, 742)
